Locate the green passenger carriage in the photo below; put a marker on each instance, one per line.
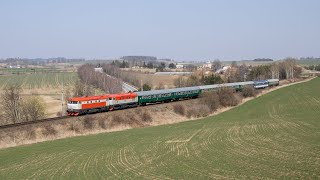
(167, 95)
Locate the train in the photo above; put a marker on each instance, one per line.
(94, 104)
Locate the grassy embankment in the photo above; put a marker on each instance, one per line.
(274, 136)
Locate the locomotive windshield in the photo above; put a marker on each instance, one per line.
(73, 102)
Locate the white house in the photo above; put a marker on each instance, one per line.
(179, 66)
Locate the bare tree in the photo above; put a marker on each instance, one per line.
(179, 82)
(242, 73)
(11, 102)
(274, 71)
(67, 93)
(33, 108)
(289, 66)
(78, 89)
(216, 65)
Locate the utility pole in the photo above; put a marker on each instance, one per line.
(141, 85)
(62, 100)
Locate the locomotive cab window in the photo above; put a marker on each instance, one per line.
(73, 102)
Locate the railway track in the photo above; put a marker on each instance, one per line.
(33, 122)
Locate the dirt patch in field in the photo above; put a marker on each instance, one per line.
(53, 105)
(151, 115)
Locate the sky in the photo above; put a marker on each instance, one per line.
(175, 29)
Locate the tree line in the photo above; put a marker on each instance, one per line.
(88, 76)
(285, 69)
(197, 80)
(314, 67)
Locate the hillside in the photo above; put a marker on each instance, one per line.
(276, 135)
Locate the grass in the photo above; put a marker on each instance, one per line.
(274, 136)
(39, 80)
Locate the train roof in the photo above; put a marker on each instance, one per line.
(236, 84)
(209, 86)
(260, 81)
(89, 98)
(226, 85)
(123, 94)
(164, 91)
(273, 80)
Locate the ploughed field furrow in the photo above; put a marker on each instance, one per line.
(272, 137)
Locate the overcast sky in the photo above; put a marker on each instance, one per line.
(183, 30)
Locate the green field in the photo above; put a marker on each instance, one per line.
(274, 136)
(39, 80)
(309, 62)
(30, 70)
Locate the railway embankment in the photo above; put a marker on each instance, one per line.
(151, 115)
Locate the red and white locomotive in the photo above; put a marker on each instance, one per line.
(91, 104)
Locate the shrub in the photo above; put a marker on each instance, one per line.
(49, 130)
(227, 97)
(74, 127)
(102, 124)
(146, 116)
(203, 111)
(248, 91)
(88, 122)
(31, 133)
(179, 109)
(211, 99)
(116, 120)
(200, 110)
(146, 87)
